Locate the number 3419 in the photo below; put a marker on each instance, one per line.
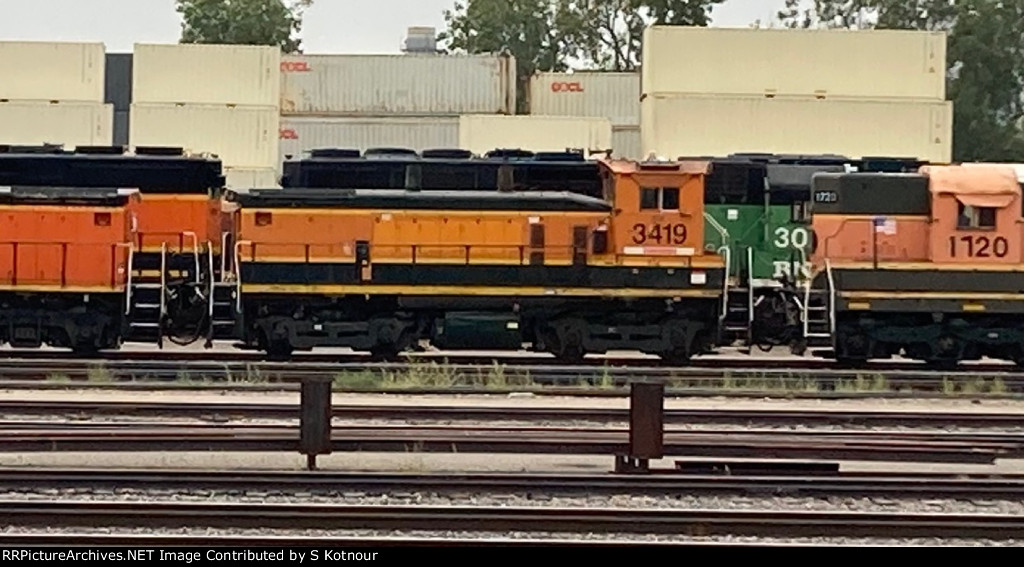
(659, 233)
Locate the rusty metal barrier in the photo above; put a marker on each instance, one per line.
(315, 419)
(646, 427)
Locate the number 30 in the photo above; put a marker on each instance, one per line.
(784, 237)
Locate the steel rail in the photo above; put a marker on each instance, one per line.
(244, 410)
(329, 542)
(871, 446)
(679, 522)
(891, 485)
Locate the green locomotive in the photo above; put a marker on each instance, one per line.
(756, 214)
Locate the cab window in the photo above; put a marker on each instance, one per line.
(969, 217)
(659, 199)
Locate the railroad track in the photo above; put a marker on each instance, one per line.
(224, 411)
(332, 542)
(717, 375)
(770, 444)
(726, 358)
(851, 484)
(537, 519)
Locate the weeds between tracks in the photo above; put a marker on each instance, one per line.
(501, 378)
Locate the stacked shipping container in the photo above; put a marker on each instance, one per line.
(217, 99)
(52, 93)
(855, 93)
(370, 101)
(612, 96)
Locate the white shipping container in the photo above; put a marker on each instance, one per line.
(301, 134)
(482, 133)
(615, 96)
(207, 74)
(68, 123)
(716, 126)
(832, 63)
(242, 136)
(67, 72)
(626, 142)
(397, 84)
(242, 179)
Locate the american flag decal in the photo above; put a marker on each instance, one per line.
(885, 225)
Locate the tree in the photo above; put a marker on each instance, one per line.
(243, 22)
(985, 56)
(553, 35)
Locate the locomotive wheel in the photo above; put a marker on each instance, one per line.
(568, 338)
(799, 347)
(384, 353)
(279, 351)
(86, 350)
(680, 345)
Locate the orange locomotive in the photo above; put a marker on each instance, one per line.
(926, 265)
(177, 237)
(380, 270)
(65, 260)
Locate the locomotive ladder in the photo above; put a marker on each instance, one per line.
(147, 301)
(223, 293)
(819, 309)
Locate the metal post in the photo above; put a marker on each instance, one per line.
(315, 419)
(646, 427)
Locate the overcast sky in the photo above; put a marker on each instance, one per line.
(332, 26)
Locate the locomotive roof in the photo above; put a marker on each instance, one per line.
(396, 199)
(444, 170)
(71, 196)
(151, 170)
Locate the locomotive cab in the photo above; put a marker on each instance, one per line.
(658, 212)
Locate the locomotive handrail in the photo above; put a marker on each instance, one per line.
(807, 306)
(750, 289)
(445, 252)
(128, 282)
(195, 250)
(727, 253)
(223, 255)
(238, 274)
(721, 230)
(213, 283)
(831, 297)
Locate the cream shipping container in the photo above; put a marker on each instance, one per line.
(626, 142)
(480, 133)
(68, 123)
(241, 179)
(615, 96)
(66, 72)
(207, 74)
(829, 63)
(301, 134)
(716, 126)
(244, 137)
(398, 84)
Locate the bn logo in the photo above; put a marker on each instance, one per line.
(566, 88)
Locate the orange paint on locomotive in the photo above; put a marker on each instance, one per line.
(66, 247)
(174, 219)
(975, 218)
(667, 233)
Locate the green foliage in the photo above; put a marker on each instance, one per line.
(985, 56)
(243, 22)
(554, 35)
